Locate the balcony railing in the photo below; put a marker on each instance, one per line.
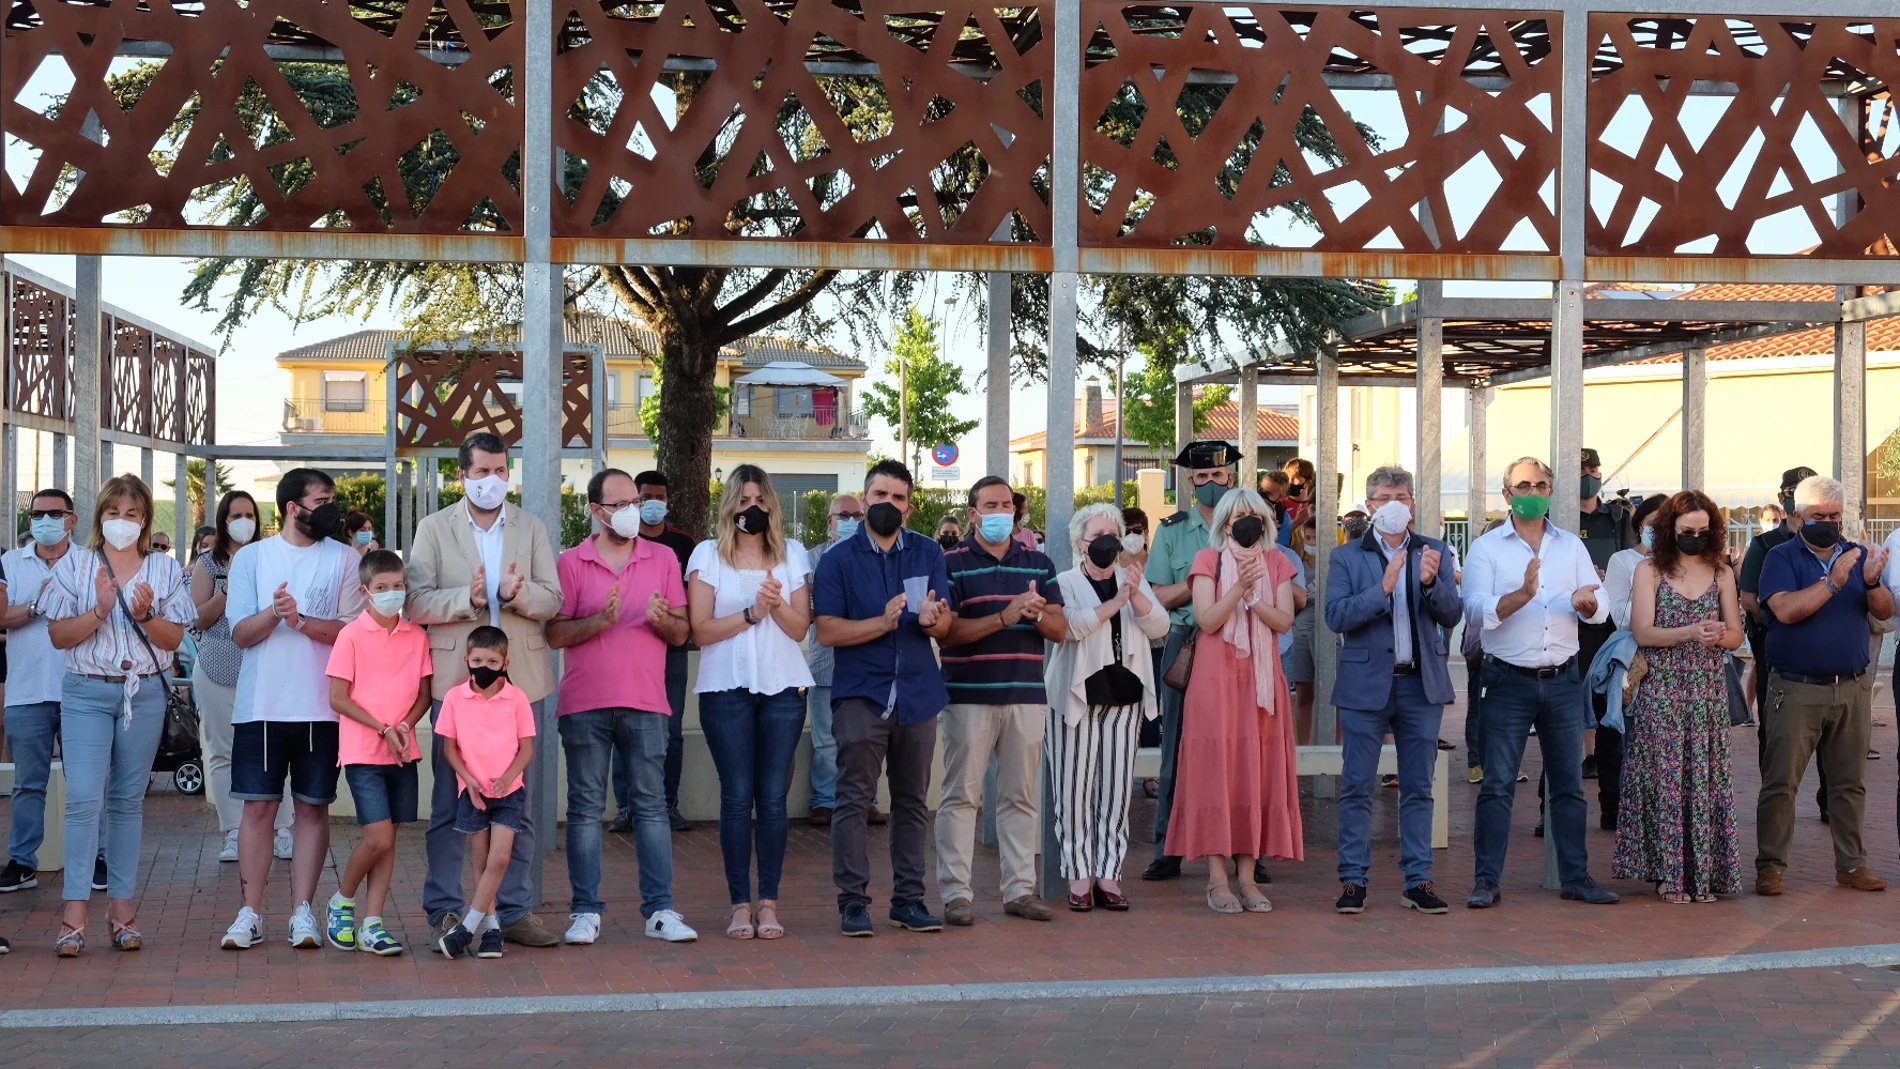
(313, 415)
(835, 421)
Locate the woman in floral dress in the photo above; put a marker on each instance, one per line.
(1678, 822)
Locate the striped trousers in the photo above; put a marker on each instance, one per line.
(1092, 764)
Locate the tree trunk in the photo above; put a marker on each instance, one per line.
(687, 399)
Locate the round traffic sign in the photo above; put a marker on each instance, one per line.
(945, 454)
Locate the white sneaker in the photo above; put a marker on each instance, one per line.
(303, 928)
(584, 930)
(245, 932)
(229, 853)
(282, 844)
(670, 926)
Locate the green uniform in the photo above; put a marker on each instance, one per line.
(1177, 540)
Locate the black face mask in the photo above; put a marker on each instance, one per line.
(948, 541)
(1692, 545)
(1821, 534)
(320, 522)
(753, 520)
(884, 519)
(1103, 550)
(1248, 530)
(485, 676)
(1357, 526)
(1787, 502)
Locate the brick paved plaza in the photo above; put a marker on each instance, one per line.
(1751, 1018)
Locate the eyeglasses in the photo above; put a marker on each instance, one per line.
(847, 515)
(1531, 488)
(49, 514)
(611, 507)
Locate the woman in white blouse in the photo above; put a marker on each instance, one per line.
(746, 597)
(119, 611)
(1620, 576)
(1101, 685)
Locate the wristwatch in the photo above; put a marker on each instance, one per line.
(150, 615)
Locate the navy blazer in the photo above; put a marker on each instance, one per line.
(1360, 612)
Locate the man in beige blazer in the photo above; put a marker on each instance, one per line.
(482, 561)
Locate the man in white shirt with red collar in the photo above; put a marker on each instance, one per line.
(1528, 583)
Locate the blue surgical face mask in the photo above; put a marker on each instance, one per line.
(389, 602)
(652, 513)
(996, 527)
(1649, 537)
(847, 528)
(48, 530)
(365, 536)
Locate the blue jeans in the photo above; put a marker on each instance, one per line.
(1474, 706)
(1559, 707)
(593, 740)
(447, 849)
(31, 729)
(1413, 723)
(675, 740)
(108, 766)
(753, 739)
(824, 750)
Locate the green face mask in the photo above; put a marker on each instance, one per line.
(1530, 506)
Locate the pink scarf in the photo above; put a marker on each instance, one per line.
(1246, 632)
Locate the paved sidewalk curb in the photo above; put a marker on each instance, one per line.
(917, 994)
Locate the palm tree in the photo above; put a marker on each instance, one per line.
(195, 487)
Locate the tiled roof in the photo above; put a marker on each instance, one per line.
(1223, 422)
(1883, 335)
(621, 339)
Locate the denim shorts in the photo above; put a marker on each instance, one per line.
(507, 812)
(264, 752)
(383, 792)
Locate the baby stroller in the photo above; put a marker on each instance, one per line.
(178, 749)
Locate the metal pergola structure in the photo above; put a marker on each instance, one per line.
(1012, 95)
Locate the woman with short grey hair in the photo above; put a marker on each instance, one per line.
(1100, 681)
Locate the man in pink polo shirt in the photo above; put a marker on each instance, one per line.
(623, 604)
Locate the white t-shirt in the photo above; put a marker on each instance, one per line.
(36, 672)
(284, 677)
(763, 658)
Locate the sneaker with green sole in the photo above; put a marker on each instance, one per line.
(339, 925)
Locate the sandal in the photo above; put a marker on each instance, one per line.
(1674, 898)
(1222, 900)
(1151, 787)
(1254, 902)
(124, 936)
(770, 929)
(1704, 898)
(740, 929)
(71, 940)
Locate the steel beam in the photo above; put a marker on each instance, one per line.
(1247, 404)
(1872, 306)
(61, 472)
(1850, 417)
(87, 348)
(1566, 403)
(1478, 494)
(1325, 506)
(1429, 479)
(996, 403)
(1650, 352)
(182, 527)
(1678, 310)
(1695, 397)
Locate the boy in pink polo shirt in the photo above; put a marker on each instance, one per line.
(487, 732)
(379, 685)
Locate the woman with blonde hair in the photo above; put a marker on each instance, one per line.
(1236, 791)
(119, 611)
(1101, 686)
(747, 600)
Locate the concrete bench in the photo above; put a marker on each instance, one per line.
(1329, 761)
(52, 851)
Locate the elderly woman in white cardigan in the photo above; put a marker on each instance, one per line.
(1101, 686)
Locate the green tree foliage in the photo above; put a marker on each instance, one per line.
(932, 382)
(195, 488)
(650, 420)
(1150, 416)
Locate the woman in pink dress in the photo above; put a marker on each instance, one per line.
(1236, 793)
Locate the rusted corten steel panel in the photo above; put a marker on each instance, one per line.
(127, 391)
(326, 157)
(1689, 189)
(1161, 172)
(445, 395)
(39, 378)
(753, 135)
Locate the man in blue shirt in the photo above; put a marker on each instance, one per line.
(1818, 592)
(879, 597)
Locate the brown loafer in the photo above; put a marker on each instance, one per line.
(1768, 882)
(959, 913)
(529, 932)
(875, 816)
(821, 817)
(1028, 907)
(1861, 879)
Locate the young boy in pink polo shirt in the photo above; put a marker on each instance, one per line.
(487, 732)
(379, 685)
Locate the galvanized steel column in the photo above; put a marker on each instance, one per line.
(86, 352)
(1248, 423)
(60, 447)
(182, 527)
(1428, 479)
(1566, 326)
(1850, 415)
(1183, 434)
(1695, 400)
(1326, 511)
(996, 405)
(1477, 496)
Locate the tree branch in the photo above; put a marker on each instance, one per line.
(798, 299)
(745, 301)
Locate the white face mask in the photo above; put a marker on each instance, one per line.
(1134, 543)
(626, 522)
(241, 529)
(486, 493)
(120, 534)
(1391, 518)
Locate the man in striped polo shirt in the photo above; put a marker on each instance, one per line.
(1007, 605)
